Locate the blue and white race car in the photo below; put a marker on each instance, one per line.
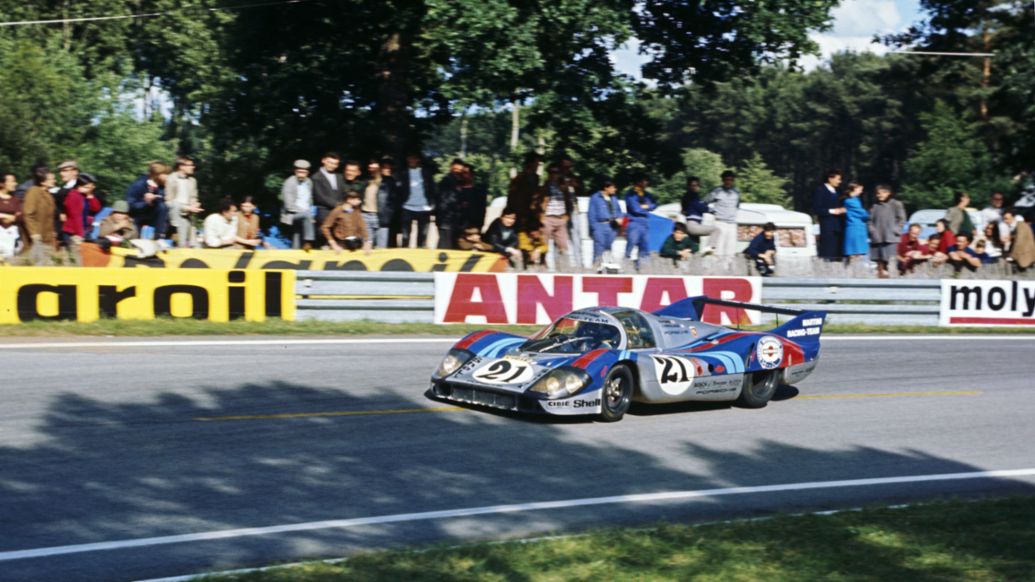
(599, 360)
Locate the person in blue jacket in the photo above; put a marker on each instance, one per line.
(605, 220)
(857, 242)
(762, 250)
(638, 204)
(146, 198)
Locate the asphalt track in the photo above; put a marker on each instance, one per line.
(133, 442)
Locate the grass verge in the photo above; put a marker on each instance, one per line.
(190, 327)
(949, 540)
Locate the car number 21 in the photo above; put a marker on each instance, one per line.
(675, 375)
(504, 372)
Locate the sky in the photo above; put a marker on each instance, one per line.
(855, 24)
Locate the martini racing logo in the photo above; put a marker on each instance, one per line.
(770, 352)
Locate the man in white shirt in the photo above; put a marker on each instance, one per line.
(220, 230)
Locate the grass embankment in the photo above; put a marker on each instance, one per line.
(985, 540)
(190, 327)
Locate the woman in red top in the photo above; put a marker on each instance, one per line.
(948, 237)
(80, 207)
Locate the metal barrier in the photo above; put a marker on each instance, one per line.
(409, 297)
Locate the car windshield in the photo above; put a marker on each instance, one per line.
(574, 336)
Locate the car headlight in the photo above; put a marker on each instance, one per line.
(452, 362)
(561, 383)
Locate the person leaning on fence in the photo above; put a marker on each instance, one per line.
(961, 256)
(344, 228)
(724, 202)
(117, 227)
(38, 213)
(502, 234)
(297, 210)
(887, 217)
(911, 251)
(936, 256)
(679, 246)
(472, 241)
(762, 250)
(220, 228)
(605, 221)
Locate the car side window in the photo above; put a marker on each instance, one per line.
(639, 333)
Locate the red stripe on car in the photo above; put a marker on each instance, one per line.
(467, 341)
(587, 359)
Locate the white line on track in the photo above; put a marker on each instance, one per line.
(661, 496)
(353, 341)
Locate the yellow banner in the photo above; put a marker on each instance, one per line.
(66, 293)
(418, 260)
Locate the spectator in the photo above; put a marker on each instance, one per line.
(146, 199)
(181, 196)
(959, 218)
(80, 207)
(472, 241)
(371, 197)
(249, 233)
(830, 216)
(911, 251)
(1022, 250)
(523, 187)
(605, 221)
(638, 204)
(475, 197)
(762, 250)
(449, 213)
(68, 173)
(694, 209)
(945, 237)
(961, 255)
(994, 211)
(419, 197)
(328, 186)
(533, 244)
(502, 234)
(38, 213)
(934, 246)
(573, 185)
(24, 186)
(678, 246)
(296, 214)
(1007, 228)
(387, 203)
(856, 243)
(979, 252)
(220, 228)
(995, 241)
(724, 202)
(554, 204)
(887, 217)
(117, 227)
(344, 227)
(10, 216)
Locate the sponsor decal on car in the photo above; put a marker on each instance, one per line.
(769, 352)
(504, 371)
(675, 374)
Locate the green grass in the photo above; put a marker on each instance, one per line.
(190, 327)
(950, 540)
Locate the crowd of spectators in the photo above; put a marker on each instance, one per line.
(345, 206)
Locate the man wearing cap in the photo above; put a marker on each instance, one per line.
(68, 172)
(80, 207)
(296, 211)
(181, 197)
(345, 228)
(118, 226)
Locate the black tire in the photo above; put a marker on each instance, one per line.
(616, 396)
(759, 388)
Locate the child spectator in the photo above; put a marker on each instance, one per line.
(502, 234)
(678, 246)
(38, 213)
(472, 241)
(345, 228)
(979, 252)
(887, 217)
(117, 226)
(911, 250)
(961, 256)
(762, 250)
(533, 244)
(856, 243)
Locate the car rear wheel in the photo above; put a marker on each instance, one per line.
(759, 388)
(617, 394)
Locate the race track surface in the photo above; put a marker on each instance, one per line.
(131, 443)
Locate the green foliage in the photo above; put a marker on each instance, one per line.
(118, 147)
(758, 183)
(704, 164)
(950, 159)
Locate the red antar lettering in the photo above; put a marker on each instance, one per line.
(607, 288)
(657, 288)
(531, 294)
(462, 303)
(730, 290)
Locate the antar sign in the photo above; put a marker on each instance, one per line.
(988, 302)
(540, 299)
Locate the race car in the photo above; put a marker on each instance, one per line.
(599, 360)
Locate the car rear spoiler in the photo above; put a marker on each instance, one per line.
(691, 307)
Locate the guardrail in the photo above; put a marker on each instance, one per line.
(409, 297)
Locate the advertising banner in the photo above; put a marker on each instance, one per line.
(75, 294)
(512, 298)
(987, 303)
(414, 260)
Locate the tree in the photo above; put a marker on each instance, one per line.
(759, 184)
(704, 164)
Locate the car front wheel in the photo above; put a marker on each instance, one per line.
(617, 394)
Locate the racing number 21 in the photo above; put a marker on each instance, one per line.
(501, 367)
(669, 373)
